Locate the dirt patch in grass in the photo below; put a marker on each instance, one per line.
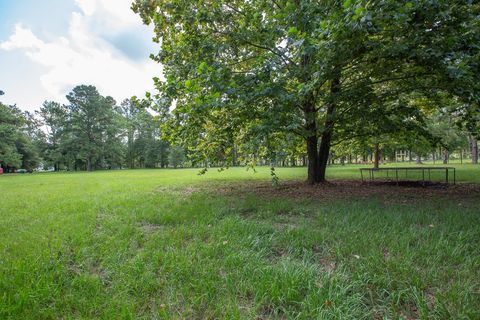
(96, 270)
(459, 194)
(285, 225)
(279, 252)
(269, 312)
(148, 227)
(411, 312)
(430, 298)
(175, 190)
(329, 265)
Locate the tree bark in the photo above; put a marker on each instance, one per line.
(310, 114)
(326, 141)
(312, 156)
(446, 156)
(323, 152)
(474, 149)
(376, 163)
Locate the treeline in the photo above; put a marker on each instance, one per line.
(93, 132)
(17, 147)
(90, 132)
(444, 137)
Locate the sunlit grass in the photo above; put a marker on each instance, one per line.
(149, 244)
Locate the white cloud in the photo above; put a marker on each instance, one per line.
(20, 39)
(84, 56)
(88, 6)
(112, 11)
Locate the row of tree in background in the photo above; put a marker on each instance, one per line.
(93, 132)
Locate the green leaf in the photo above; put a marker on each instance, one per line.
(359, 11)
(292, 31)
(202, 67)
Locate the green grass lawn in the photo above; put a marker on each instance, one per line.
(153, 244)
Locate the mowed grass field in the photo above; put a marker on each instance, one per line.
(170, 244)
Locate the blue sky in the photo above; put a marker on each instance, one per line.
(47, 47)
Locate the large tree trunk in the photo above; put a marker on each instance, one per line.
(318, 159)
(324, 149)
(474, 149)
(377, 156)
(310, 114)
(312, 156)
(326, 141)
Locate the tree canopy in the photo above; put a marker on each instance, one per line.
(246, 72)
(16, 147)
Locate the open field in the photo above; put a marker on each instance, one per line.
(148, 244)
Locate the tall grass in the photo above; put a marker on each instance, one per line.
(148, 244)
